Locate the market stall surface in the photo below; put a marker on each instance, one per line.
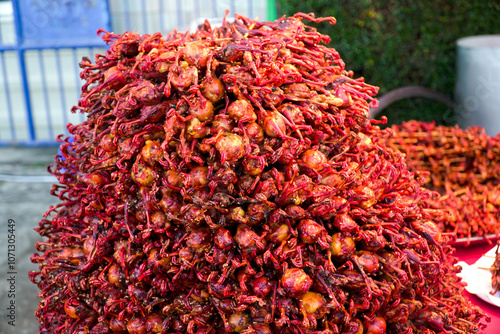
(470, 255)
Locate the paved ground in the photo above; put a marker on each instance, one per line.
(24, 197)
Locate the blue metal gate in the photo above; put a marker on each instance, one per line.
(42, 41)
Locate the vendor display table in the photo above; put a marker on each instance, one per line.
(470, 255)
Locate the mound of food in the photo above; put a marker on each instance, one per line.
(230, 180)
(463, 166)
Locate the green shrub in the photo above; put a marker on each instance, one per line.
(400, 43)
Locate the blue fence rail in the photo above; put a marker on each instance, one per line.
(42, 41)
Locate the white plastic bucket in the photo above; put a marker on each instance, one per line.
(477, 89)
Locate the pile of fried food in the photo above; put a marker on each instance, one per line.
(230, 180)
(463, 166)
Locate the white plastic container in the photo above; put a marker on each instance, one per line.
(477, 89)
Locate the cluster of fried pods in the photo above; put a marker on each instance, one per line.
(463, 166)
(229, 181)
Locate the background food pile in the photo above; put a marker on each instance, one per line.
(373, 35)
(463, 167)
(230, 180)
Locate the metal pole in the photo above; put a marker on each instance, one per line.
(61, 88)
(22, 66)
(145, 29)
(127, 15)
(180, 19)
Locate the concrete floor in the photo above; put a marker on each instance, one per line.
(24, 196)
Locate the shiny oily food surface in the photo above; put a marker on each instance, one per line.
(228, 180)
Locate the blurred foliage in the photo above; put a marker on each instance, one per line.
(401, 43)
